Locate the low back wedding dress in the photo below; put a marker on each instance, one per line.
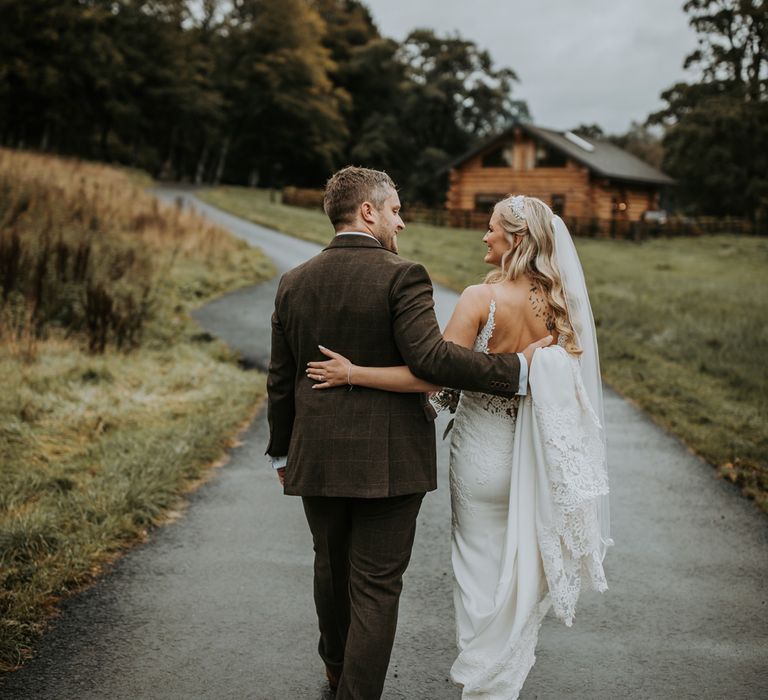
(529, 489)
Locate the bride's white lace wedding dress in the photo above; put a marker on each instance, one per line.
(526, 475)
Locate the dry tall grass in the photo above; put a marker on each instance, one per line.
(106, 200)
(104, 425)
(84, 247)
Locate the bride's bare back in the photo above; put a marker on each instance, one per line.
(522, 315)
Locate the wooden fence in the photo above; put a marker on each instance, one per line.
(301, 197)
(579, 226)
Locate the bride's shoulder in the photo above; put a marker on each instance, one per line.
(478, 294)
(469, 315)
(475, 302)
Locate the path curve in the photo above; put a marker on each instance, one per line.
(218, 604)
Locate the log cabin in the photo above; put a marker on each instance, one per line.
(582, 179)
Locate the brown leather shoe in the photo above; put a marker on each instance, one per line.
(333, 679)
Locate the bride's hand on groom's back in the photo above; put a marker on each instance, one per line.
(330, 373)
(533, 347)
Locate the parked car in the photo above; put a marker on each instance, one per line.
(657, 216)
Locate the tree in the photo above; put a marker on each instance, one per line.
(122, 80)
(263, 92)
(716, 140)
(285, 122)
(154, 90)
(371, 76)
(453, 96)
(642, 141)
(476, 97)
(589, 131)
(733, 43)
(53, 60)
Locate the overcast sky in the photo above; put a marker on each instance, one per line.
(579, 61)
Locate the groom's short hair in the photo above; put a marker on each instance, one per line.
(348, 188)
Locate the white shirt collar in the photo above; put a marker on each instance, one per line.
(356, 233)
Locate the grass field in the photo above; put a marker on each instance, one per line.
(682, 323)
(96, 447)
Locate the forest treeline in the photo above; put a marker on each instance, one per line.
(282, 92)
(259, 92)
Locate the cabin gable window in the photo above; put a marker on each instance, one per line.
(558, 204)
(547, 157)
(499, 157)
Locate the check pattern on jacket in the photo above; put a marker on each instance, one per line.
(375, 308)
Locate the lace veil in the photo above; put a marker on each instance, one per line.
(580, 314)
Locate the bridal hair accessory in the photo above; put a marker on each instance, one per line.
(516, 205)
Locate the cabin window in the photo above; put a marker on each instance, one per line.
(485, 202)
(558, 204)
(547, 157)
(500, 157)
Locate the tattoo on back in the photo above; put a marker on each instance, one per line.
(540, 306)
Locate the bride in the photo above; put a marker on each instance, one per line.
(528, 479)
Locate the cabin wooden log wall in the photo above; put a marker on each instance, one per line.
(541, 163)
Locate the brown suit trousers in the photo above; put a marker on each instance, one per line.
(362, 459)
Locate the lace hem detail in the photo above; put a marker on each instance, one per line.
(571, 546)
(503, 677)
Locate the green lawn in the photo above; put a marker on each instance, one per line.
(453, 256)
(681, 323)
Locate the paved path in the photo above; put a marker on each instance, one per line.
(218, 604)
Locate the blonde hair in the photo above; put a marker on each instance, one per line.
(534, 256)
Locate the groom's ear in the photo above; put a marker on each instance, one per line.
(368, 213)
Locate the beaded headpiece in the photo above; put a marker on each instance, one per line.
(516, 205)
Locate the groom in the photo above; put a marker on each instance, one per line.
(362, 459)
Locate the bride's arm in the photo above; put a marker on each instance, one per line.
(339, 371)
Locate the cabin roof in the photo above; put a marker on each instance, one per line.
(603, 158)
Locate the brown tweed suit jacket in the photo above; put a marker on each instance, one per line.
(375, 308)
